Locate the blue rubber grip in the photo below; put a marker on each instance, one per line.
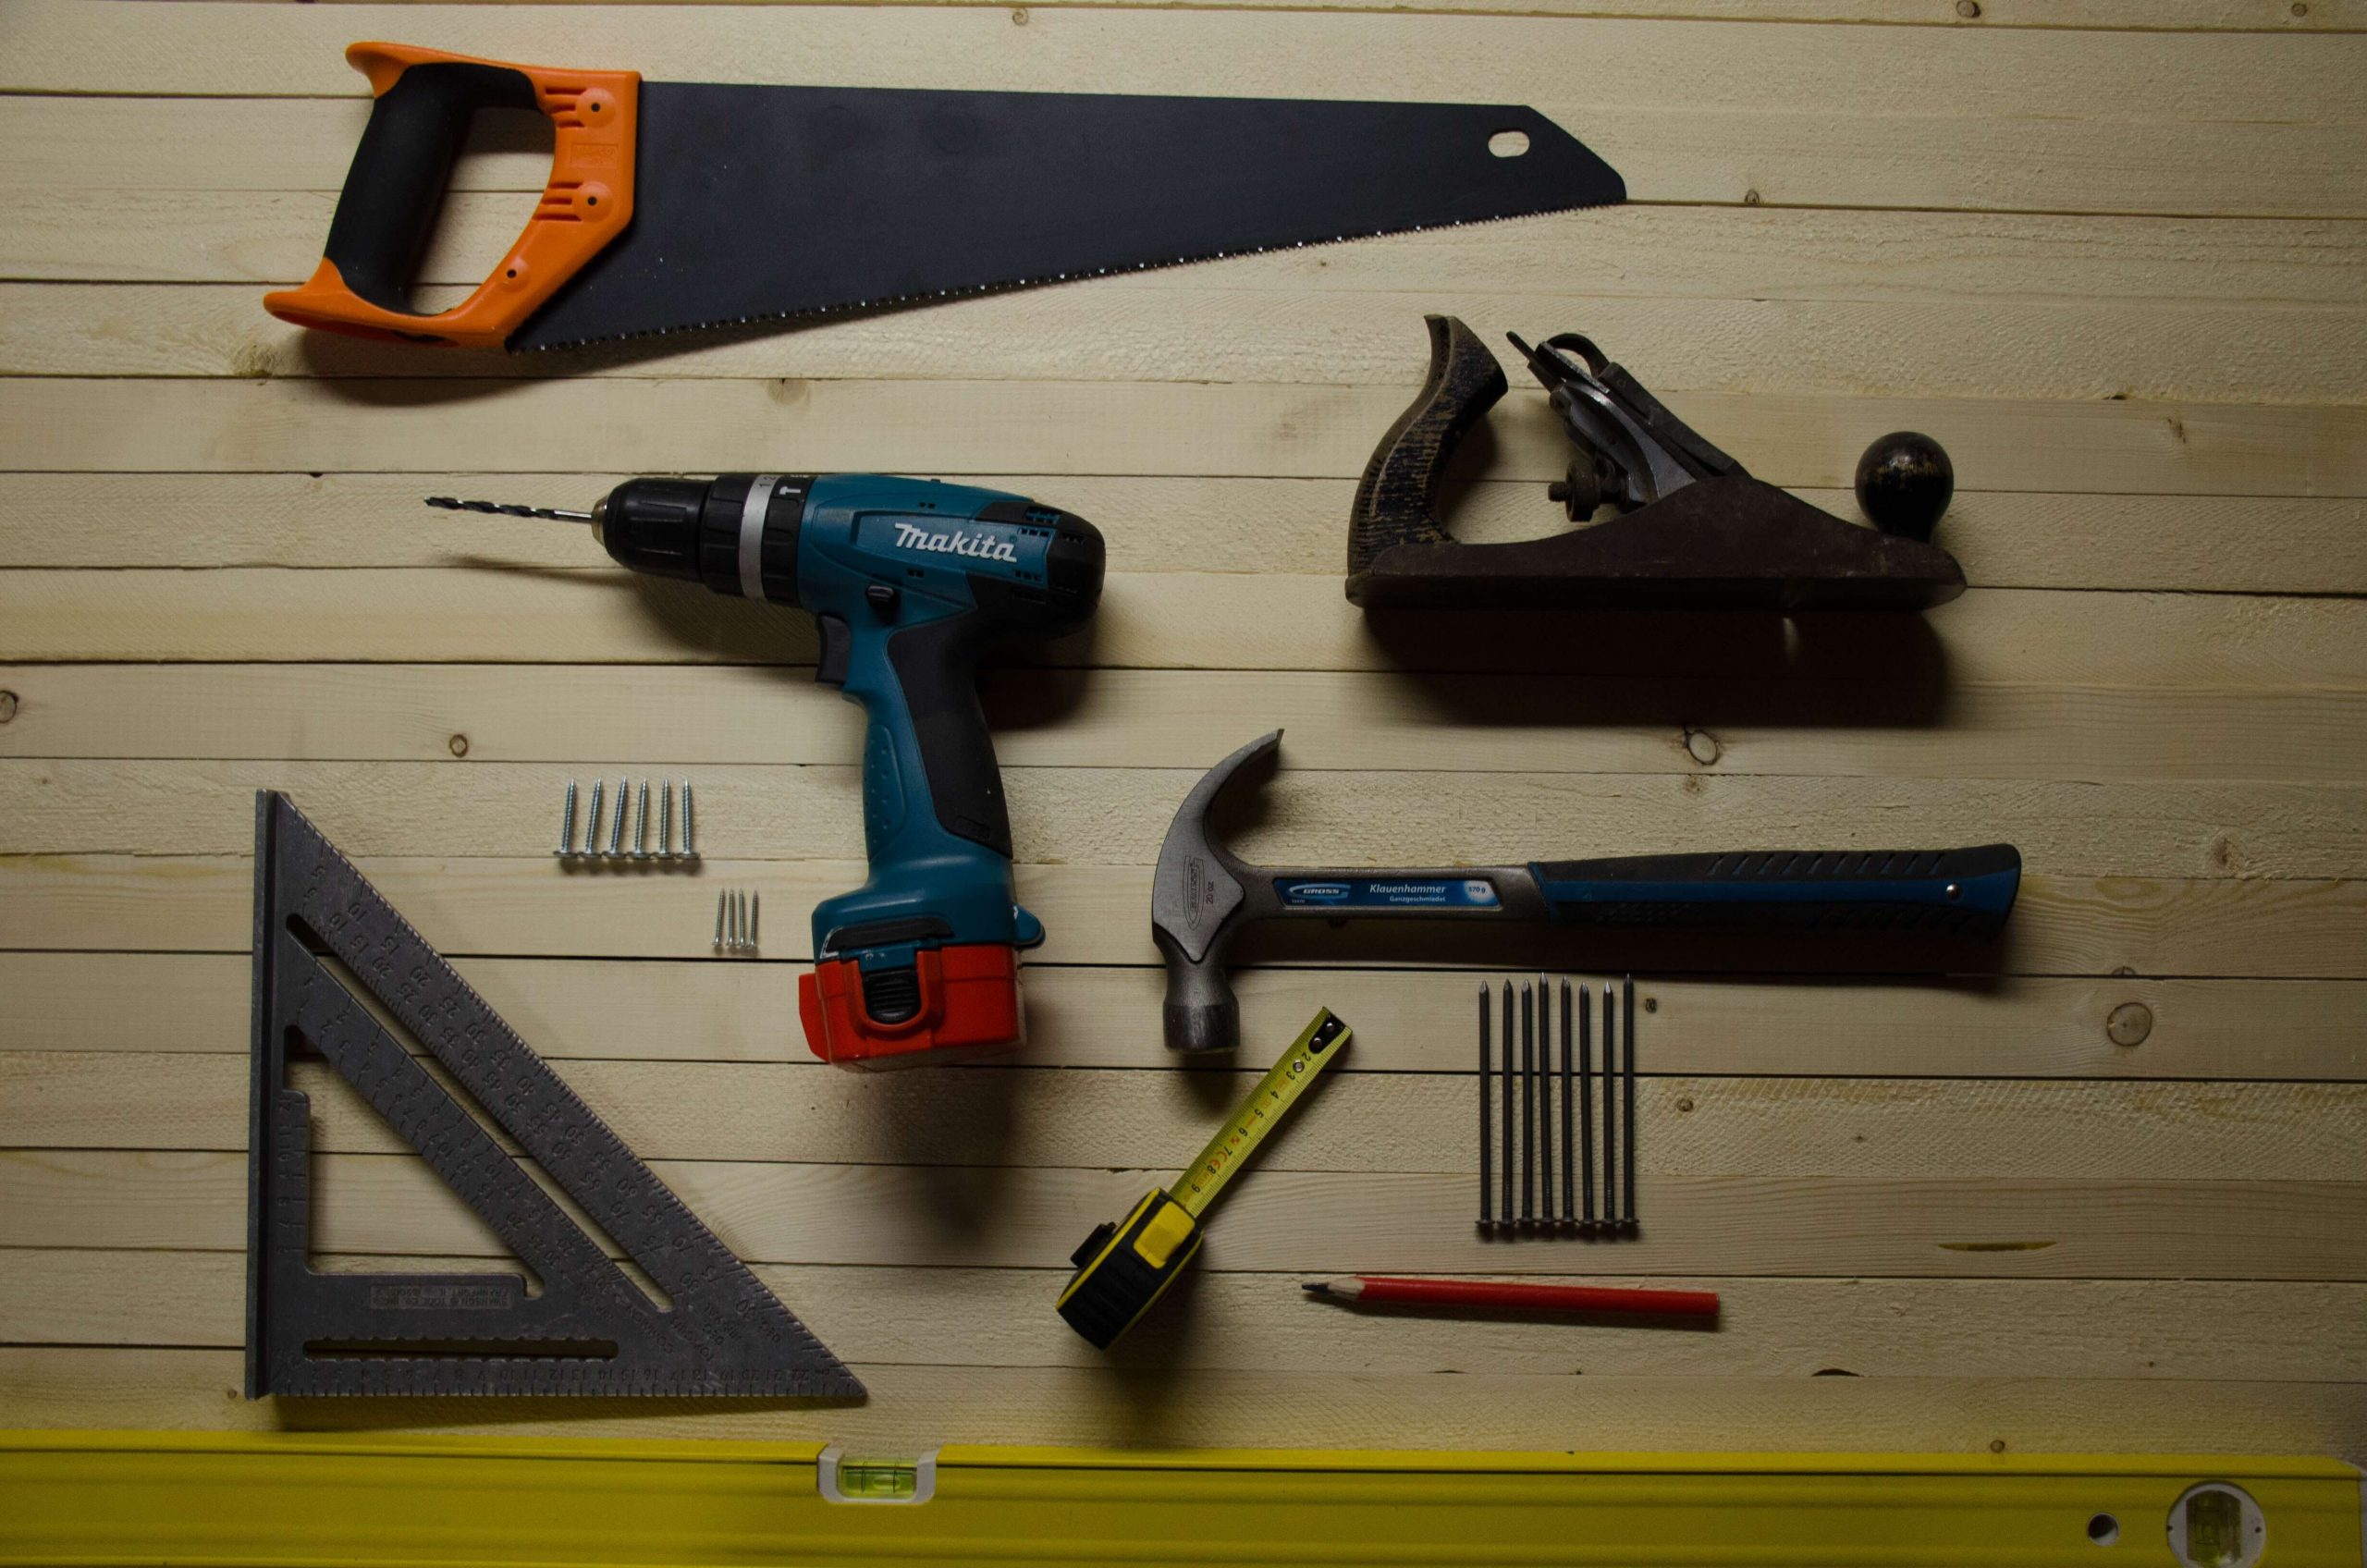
(1949, 892)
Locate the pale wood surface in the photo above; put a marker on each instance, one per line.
(2109, 250)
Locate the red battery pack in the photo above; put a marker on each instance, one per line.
(968, 1006)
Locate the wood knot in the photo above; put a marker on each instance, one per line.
(2129, 1023)
(7, 706)
(459, 745)
(1702, 746)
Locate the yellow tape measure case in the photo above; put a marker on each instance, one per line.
(1124, 1266)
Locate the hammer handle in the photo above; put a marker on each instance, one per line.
(1956, 892)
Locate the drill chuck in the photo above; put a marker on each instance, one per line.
(737, 532)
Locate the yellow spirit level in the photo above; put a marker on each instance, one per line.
(1127, 1265)
(403, 1500)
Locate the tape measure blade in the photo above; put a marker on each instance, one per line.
(1260, 1112)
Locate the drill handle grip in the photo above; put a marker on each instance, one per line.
(935, 670)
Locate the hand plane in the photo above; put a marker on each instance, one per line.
(1692, 530)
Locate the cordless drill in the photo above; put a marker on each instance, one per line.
(910, 582)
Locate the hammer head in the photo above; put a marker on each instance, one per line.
(1197, 898)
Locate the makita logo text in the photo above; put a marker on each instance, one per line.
(961, 542)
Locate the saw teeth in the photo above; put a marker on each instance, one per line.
(901, 302)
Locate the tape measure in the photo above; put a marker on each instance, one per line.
(1126, 1265)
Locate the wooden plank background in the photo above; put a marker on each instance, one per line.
(2109, 250)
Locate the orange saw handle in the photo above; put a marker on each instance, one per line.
(423, 100)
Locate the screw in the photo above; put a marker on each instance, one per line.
(690, 828)
(640, 825)
(720, 899)
(754, 900)
(566, 825)
(616, 828)
(666, 822)
(592, 827)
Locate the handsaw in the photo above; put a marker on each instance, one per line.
(674, 207)
(591, 1330)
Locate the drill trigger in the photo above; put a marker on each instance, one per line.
(837, 650)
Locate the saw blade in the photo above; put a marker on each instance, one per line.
(754, 204)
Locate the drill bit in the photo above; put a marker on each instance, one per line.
(507, 509)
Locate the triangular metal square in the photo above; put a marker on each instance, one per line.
(591, 1330)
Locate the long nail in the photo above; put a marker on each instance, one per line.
(1527, 1106)
(1545, 1101)
(1609, 1110)
(1487, 1175)
(1627, 1215)
(1504, 1078)
(1569, 1148)
(1585, 1109)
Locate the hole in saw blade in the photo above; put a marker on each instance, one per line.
(1508, 144)
(317, 1079)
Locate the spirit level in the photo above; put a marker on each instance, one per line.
(396, 1503)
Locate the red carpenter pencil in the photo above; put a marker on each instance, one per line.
(1503, 1294)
